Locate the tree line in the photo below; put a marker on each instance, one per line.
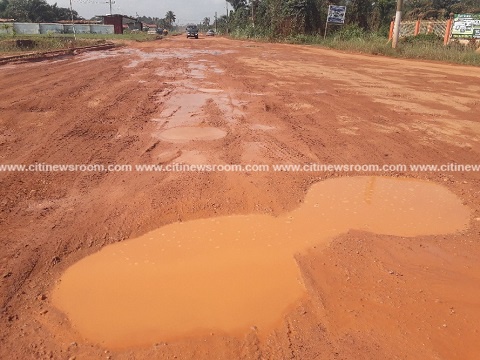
(292, 17)
(34, 11)
(162, 23)
(271, 17)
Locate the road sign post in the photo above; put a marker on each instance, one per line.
(335, 16)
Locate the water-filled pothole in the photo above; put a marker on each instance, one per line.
(187, 133)
(210, 91)
(230, 273)
(187, 109)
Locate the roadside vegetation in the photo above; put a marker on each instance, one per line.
(353, 39)
(283, 18)
(20, 44)
(366, 28)
(41, 11)
(12, 45)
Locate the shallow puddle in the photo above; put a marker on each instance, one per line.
(187, 109)
(210, 91)
(182, 108)
(230, 273)
(187, 133)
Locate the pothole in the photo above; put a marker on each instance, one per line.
(230, 273)
(189, 133)
(210, 91)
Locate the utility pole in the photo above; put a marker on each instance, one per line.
(226, 4)
(253, 12)
(73, 23)
(215, 22)
(110, 2)
(396, 26)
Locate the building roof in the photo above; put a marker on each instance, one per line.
(79, 21)
(113, 15)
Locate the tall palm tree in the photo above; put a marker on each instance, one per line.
(170, 18)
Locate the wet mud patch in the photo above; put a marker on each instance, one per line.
(189, 133)
(231, 273)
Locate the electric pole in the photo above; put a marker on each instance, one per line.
(73, 23)
(396, 26)
(253, 12)
(215, 22)
(226, 4)
(110, 2)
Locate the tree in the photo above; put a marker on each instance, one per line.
(170, 18)
(36, 11)
(237, 4)
(273, 18)
(382, 14)
(439, 9)
(222, 24)
(3, 7)
(359, 12)
(206, 22)
(466, 6)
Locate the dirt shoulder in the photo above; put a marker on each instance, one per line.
(369, 296)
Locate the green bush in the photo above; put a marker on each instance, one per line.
(349, 32)
(423, 39)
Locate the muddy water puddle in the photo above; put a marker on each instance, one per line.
(188, 108)
(230, 273)
(188, 133)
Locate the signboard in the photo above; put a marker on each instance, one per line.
(336, 14)
(466, 26)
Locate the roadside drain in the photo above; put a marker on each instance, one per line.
(230, 273)
(187, 133)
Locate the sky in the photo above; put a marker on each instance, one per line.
(186, 11)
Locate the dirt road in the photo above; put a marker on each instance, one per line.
(368, 296)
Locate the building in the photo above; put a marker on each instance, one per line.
(118, 21)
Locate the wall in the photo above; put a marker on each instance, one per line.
(26, 28)
(101, 29)
(51, 28)
(6, 28)
(79, 29)
(35, 29)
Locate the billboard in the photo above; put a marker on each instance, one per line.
(466, 26)
(336, 14)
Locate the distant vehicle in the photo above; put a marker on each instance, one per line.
(192, 31)
(160, 31)
(210, 33)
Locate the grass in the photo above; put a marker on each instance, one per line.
(52, 42)
(135, 36)
(426, 47)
